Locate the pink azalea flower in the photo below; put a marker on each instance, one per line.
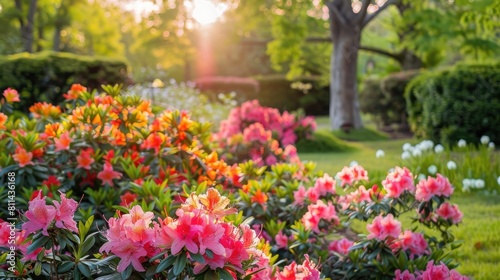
(185, 232)
(346, 177)
(341, 246)
(11, 95)
(325, 184)
(281, 240)
(319, 211)
(39, 215)
(439, 186)
(398, 181)
(414, 242)
(450, 212)
(299, 195)
(108, 174)
(62, 143)
(65, 212)
(383, 227)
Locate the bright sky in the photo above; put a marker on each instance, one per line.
(203, 11)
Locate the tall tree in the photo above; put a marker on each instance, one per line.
(27, 23)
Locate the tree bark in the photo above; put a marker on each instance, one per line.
(344, 105)
(27, 28)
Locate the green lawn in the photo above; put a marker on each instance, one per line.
(479, 256)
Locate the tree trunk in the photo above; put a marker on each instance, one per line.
(344, 105)
(27, 29)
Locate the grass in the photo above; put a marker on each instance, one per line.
(479, 255)
(368, 133)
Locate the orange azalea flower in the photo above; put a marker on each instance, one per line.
(259, 197)
(11, 95)
(54, 129)
(119, 138)
(37, 153)
(22, 157)
(3, 120)
(45, 110)
(63, 142)
(108, 174)
(216, 204)
(84, 159)
(127, 198)
(154, 141)
(75, 91)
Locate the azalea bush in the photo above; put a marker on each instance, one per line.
(262, 134)
(469, 167)
(105, 188)
(304, 212)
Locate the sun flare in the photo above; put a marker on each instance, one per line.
(206, 12)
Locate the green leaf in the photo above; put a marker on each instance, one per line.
(225, 275)
(84, 269)
(38, 243)
(87, 245)
(65, 266)
(180, 264)
(164, 264)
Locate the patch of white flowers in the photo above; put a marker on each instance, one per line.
(469, 183)
(379, 154)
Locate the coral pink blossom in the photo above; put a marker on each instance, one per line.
(439, 186)
(85, 159)
(414, 242)
(406, 275)
(319, 211)
(349, 175)
(306, 271)
(325, 185)
(450, 212)
(23, 157)
(299, 195)
(340, 246)
(398, 181)
(383, 227)
(11, 95)
(131, 238)
(281, 240)
(39, 215)
(108, 174)
(62, 143)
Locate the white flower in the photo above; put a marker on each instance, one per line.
(405, 155)
(432, 169)
(498, 180)
(479, 183)
(467, 182)
(439, 148)
(417, 152)
(353, 163)
(485, 139)
(462, 143)
(407, 146)
(451, 165)
(379, 154)
(425, 145)
(491, 145)
(421, 177)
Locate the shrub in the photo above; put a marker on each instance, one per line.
(262, 134)
(384, 99)
(155, 203)
(45, 76)
(460, 102)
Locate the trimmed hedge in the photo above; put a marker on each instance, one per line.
(384, 98)
(271, 91)
(46, 76)
(460, 102)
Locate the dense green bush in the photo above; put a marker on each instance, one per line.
(460, 102)
(46, 76)
(272, 91)
(384, 99)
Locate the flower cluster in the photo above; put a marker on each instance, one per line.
(432, 271)
(305, 271)
(44, 217)
(262, 134)
(199, 232)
